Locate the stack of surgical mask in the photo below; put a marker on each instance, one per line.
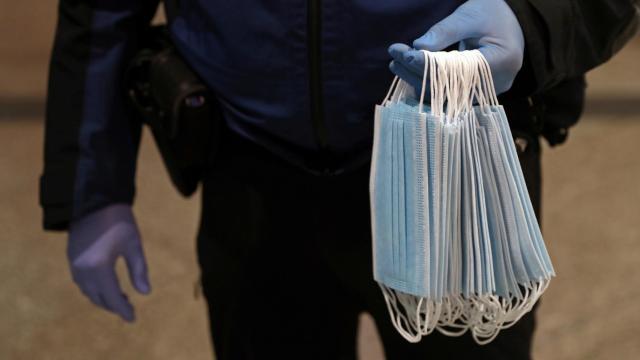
(457, 246)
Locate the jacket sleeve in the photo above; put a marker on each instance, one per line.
(91, 140)
(565, 39)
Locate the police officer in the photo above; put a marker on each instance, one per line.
(284, 238)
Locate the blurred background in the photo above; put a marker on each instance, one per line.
(591, 222)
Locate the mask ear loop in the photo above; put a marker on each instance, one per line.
(481, 91)
(457, 86)
(398, 93)
(387, 98)
(405, 88)
(448, 70)
(424, 81)
(442, 82)
(460, 85)
(436, 84)
(432, 85)
(397, 318)
(487, 79)
(447, 75)
(471, 77)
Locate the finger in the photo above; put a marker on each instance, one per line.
(104, 301)
(114, 298)
(96, 299)
(406, 75)
(137, 266)
(88, 289)
(495, 58)
(396, 50)
(412, 59)
(460, 25)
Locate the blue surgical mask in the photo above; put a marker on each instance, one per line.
(397, 211)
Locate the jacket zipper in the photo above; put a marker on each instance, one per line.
(314, 44)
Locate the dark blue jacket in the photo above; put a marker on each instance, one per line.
(302, 73)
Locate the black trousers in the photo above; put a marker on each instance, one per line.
(286, 264)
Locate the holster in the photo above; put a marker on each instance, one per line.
(179, 109)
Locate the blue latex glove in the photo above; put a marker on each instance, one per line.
(96, 241)
(487, 25)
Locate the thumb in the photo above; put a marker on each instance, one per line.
(503, 72)
(137, 266)
(460, 25)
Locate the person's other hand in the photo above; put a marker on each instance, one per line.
(96, 241)
(487, 25)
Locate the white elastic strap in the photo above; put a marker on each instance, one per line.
(393, 85)
(397, 318)
(424, 80)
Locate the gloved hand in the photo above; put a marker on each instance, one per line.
(487, 25)
(95, 243)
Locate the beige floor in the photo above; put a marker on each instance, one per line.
(591, 223)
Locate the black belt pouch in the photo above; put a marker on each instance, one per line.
(179, 109)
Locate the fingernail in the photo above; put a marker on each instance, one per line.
(129, 316)
(145, 288)
(393, 47)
